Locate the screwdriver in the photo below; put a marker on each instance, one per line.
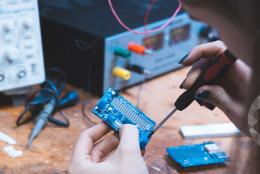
(209, 75)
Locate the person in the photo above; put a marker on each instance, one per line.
(239, 27)
(94, 155)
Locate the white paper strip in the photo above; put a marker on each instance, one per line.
(10, 150)
(7, 139)
(209, 131)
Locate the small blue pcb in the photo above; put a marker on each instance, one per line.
(207, 153)
(115, 110)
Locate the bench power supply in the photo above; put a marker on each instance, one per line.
(97, 53)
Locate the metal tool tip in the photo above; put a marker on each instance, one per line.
(147, 72)
(149, 51)
(29, 143)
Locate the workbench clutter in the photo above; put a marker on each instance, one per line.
(43, 105)
(128, 87)
(9, 149)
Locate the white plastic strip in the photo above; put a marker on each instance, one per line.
(209, 131)
(7, 139)
(12, 152)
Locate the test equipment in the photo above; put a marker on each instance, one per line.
(21, 56)
(97, 53)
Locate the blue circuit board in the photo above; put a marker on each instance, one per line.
(207, 153)
(115, 110)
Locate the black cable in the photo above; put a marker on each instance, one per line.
(57, 78)
(65, 123)
(51, 88)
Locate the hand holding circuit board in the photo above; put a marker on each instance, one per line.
(115, 110)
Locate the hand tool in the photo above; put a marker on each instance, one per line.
(209, 75)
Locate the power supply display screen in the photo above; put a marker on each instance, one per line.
(154, 42)
(180, 34)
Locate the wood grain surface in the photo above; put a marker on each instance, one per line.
(51, 151)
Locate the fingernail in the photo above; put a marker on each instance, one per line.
(199, 102)
(181, 61)
(181, 86)
(210, 106)
(202, 95)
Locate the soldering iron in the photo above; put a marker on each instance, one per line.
(209, 75)
(115, 110)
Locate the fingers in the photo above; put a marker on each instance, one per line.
(129, 140)
(128, 153)
(104, 148)
(217, 96)
(193, 74)
(207, 50)
(86, 141)
(191, 78)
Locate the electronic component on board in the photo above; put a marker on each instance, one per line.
(207, 153)
(115, 110)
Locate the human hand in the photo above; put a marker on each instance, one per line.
(95, 153)
(230, 93)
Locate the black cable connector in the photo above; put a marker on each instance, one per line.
(138, 69)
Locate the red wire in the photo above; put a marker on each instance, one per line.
(148, 31)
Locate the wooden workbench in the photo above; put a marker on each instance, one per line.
(51, 151)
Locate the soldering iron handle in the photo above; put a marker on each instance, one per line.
(215, 69)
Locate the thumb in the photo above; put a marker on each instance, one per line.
(129, 140)
(217, 96)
